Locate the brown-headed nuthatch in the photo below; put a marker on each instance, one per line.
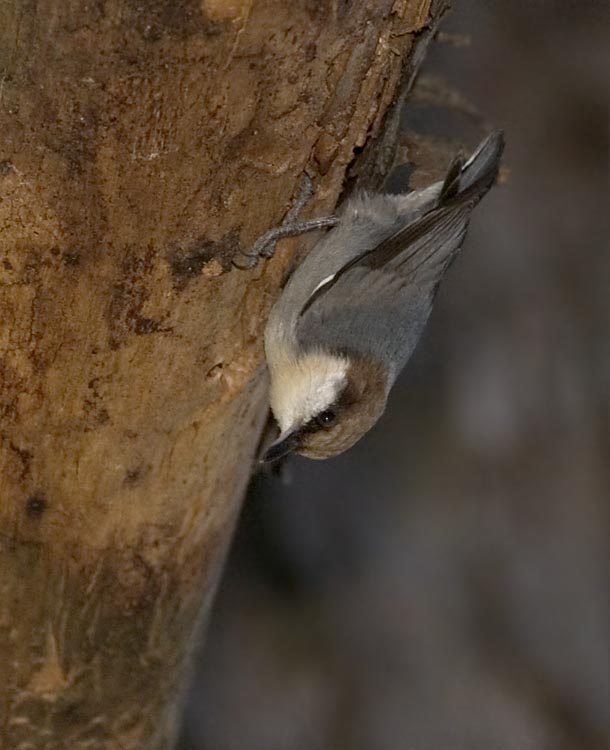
(352, 312)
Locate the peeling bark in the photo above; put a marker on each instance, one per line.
(142, 145)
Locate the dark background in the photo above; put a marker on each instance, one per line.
(444, 585)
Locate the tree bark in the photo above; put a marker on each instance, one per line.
(142, 145)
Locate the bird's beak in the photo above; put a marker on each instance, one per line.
(285, 444)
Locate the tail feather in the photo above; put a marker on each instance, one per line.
(479, 172)
(451, 183)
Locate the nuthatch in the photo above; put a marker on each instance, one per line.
(352, 312)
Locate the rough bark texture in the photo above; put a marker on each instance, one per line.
(141, 145)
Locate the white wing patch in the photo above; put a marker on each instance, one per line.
(324, 281)
(302, 387)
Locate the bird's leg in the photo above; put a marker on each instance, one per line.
(264, 247)
(304, 194)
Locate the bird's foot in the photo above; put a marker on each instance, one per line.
(264, 247)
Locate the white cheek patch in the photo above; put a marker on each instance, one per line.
(304, 387)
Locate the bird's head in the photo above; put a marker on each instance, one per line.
(324, 403)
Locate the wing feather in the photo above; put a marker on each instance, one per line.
(378, 303)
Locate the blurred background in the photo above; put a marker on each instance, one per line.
(444, 585)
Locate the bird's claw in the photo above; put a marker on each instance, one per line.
(264, 247)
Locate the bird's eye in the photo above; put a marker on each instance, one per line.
(326, 418)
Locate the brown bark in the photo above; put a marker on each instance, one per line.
(141, 145)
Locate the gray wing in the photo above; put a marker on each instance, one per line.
(378, 304)
(414, 246)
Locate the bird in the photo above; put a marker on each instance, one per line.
(351, 314)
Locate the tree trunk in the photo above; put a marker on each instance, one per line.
(142, 144)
